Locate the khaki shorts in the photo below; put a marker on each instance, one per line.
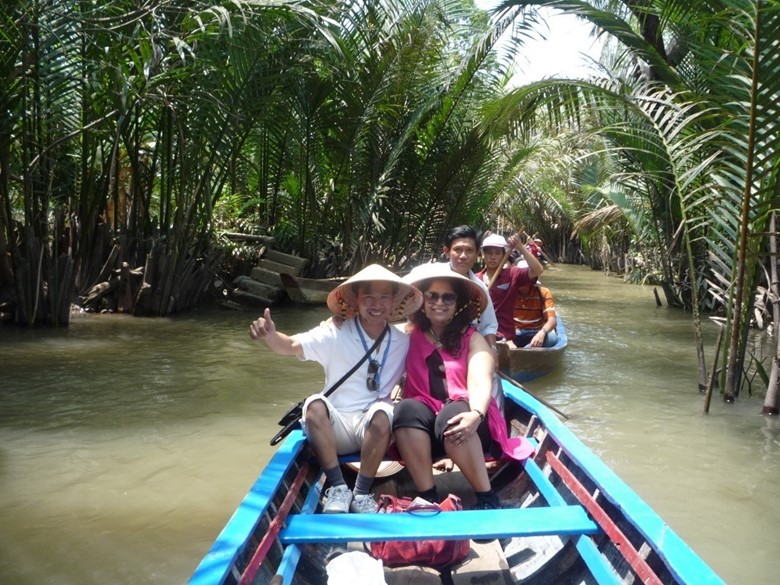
(349, 427)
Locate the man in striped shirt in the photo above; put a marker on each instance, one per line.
(534, 317)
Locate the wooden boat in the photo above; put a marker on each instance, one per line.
(527, 363)
(566, 518)
(309, 290)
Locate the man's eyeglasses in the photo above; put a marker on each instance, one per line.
(373, 369)
(447, 298)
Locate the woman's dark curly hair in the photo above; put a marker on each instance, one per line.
(451, 338)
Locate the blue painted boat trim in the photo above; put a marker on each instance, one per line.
(336, 528)
(543, 483)
(598, 566)
(218, 562)
(292, 554)
(684, 563)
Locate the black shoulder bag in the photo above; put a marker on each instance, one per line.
(292, 418)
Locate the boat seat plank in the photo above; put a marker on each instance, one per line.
(600, 569)
(480, 524)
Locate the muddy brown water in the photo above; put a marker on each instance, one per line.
(126, 444)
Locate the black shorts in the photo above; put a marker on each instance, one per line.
(411, 413)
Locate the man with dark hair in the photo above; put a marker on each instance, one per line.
(358, 415)
(461, 246)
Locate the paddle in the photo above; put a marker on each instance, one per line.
(501, 265)
(500, 268)
(546, 257)
(542, 253)
(514, 382)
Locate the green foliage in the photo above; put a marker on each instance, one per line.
(360, 132)
(379, 150)
(688, 119)
(346, 130)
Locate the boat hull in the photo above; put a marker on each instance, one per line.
(528, 363)
(313, 291)
(565, 518)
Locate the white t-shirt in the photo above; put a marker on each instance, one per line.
(338, 350)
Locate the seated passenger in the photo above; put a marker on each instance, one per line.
(447, 408)
(507, 279)
(534, 316)
(358, 415)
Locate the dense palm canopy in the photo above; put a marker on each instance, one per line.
(686, 113)
(354, 132)
(348, 131)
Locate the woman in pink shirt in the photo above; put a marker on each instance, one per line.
(447, 409)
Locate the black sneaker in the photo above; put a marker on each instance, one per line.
(486, 502)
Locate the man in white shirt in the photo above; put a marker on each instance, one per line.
(358, 415)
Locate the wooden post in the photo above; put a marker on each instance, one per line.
(714, 370)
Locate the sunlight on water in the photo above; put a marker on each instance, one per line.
(126, 444)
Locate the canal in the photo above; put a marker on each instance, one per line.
(126, 443)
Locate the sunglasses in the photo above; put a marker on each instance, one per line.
(373, 369)
(447, 298)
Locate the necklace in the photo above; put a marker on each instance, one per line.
(435, 338)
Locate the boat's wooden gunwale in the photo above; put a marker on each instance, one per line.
(216, 566)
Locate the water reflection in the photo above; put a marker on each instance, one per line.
(125, 444)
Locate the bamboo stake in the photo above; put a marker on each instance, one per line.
(713, 373)
(771, 397)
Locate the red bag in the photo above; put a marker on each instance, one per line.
(437, 554)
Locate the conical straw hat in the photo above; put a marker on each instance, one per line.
(343, 302)
(436, 270)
